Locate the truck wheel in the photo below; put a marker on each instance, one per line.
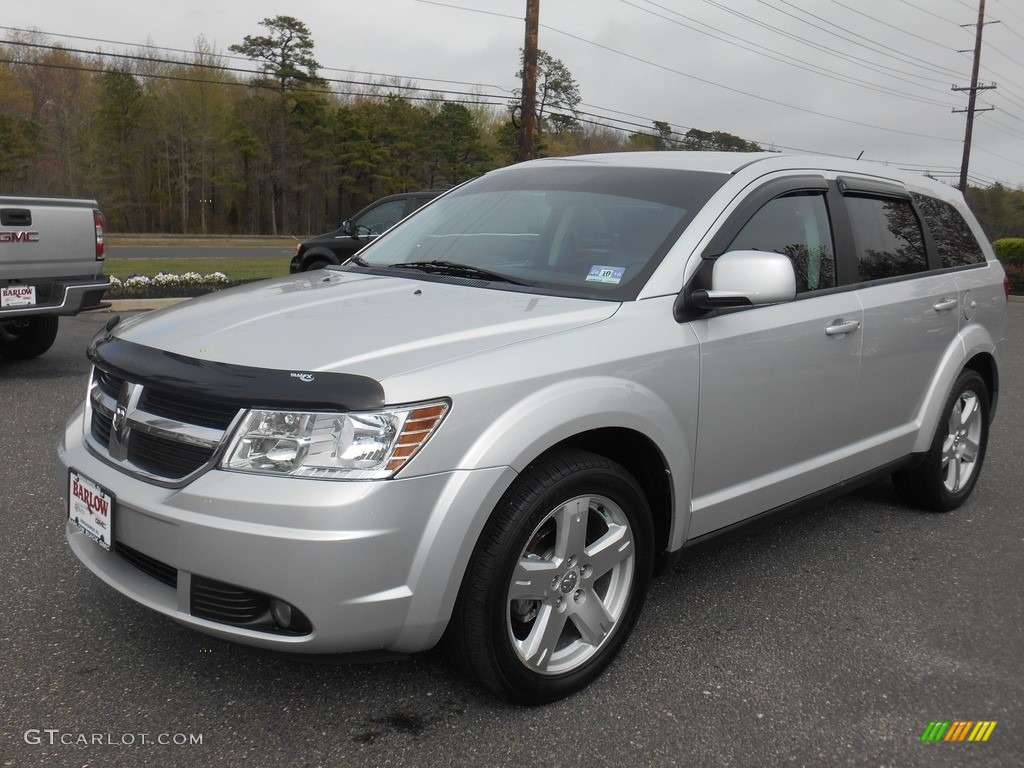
(557, 580)
(27, 337)
(318, 264)
(946, 476)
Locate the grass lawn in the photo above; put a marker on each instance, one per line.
(237, 269)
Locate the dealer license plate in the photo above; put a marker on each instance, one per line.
(91, 509)
(17, 296)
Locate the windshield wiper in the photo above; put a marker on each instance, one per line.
(454, 269)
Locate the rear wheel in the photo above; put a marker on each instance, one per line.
(557, 580)
(27, 337)
(946, 476)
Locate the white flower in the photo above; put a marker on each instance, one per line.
(138, 284)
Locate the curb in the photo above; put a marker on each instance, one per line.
(139, 305)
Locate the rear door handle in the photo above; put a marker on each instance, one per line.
(839, 327)
(945, 304)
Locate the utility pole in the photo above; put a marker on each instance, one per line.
(529, 113)
(972, 90)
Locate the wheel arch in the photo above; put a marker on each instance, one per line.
(615, 419)
(642, 459)
(984, 363)
(318, 253)
(973, 349)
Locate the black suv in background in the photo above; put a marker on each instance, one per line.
(363, 228)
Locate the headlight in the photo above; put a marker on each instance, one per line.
(334, 446)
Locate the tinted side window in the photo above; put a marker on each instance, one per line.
(797, 226)
(418, 202)
(887, 236)
(954, 240)
(380, 218)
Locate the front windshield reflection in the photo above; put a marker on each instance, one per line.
(554, 230)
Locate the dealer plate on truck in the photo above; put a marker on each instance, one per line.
(91, 509)
(17, 296)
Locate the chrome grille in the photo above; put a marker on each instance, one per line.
(108, 383)
(153, 433)
(167, 458)
(191, 410)
(101, 425)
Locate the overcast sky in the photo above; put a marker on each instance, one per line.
(841, 77)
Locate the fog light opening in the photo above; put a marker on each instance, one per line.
(281, 612)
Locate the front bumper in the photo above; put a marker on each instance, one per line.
(372, 565)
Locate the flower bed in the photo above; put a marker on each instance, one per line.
(165, 285)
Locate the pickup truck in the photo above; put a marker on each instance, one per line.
(51, 264)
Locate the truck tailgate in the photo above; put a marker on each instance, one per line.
(42, 239)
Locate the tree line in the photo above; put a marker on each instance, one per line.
(196, 145)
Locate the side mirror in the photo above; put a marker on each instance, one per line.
(346, 227)
(748, 278)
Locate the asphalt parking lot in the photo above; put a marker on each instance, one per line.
(830, 639)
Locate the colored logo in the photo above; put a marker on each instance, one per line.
(958, 730)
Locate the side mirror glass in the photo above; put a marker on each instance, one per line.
(748, 278)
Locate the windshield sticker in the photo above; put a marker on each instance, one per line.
(600, 274)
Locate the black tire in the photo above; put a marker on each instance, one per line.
(588, 578)
(27, 337)
(318, 264)
(950, 469)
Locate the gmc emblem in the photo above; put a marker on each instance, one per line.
(19, 237)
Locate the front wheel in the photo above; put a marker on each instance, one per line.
(946, 476)
(27, 337)
(557, 580)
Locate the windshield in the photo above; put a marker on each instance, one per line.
(589, 231)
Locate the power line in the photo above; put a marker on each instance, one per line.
(470, 10)
(745, 44)
(243, 58)
(1009, 10)
(930, 13)
(222, 68)
(882, 23)
(417, 93)
(748, 94)
(876, 48)
(479, 100)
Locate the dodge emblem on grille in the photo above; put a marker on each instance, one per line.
(117, 423)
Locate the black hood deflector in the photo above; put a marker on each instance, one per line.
(237, 385)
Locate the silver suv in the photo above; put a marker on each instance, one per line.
(493, 425)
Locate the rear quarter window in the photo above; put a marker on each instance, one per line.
(887, 236)
(953, 238)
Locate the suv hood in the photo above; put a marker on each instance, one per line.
(345, 322)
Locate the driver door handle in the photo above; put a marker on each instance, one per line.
(840, 327)
(945, 304)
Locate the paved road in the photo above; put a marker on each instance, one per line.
(832, 639)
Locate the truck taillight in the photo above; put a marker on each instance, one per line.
(101, 225)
